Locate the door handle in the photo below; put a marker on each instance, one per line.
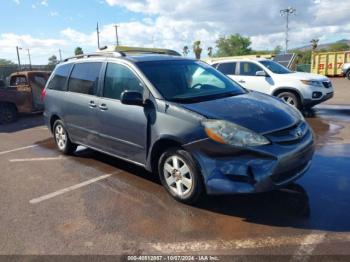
(103, 107)
(241, 81)
(92, 104)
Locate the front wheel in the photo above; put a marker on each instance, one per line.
(62, 139)
(347, 75)
(180, 175)
(8, 113)
(290, 98)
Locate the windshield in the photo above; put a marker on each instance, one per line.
(188, 81)
(276, 67)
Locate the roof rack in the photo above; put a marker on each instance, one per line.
(159, 52)
(97, 54)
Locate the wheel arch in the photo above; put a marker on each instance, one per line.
(289, 89)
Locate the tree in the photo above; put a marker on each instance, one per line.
(338, 46)
(5, 62)
(277, 50)
(314, 43)
(233, 45)
(185, 50)
(53, 60)
(78, 51)
(197, 50)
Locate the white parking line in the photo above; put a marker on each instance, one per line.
(71, 188)
(17, 149)
(37, 159)
(307, 246)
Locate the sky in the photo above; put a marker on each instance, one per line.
(45, 26)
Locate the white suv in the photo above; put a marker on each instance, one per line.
(302, 90)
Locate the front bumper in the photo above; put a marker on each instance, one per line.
(313, 102)
(228, 170)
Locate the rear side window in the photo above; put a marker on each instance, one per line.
(118, 79)
(18, 80)
(84, 78)
(227, 68)
(249, 69)
(58, 81)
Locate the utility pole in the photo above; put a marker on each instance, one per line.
(116, 34)
(30, 61)
(98, 36)
(60, 53)
(286, 12)
(19, 60)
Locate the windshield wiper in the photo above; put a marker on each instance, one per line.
(203, 98)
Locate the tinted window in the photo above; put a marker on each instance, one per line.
(227, 68)
(84, 78)
(249, 69)
(118, 79)
(188, 81)
(58, 81)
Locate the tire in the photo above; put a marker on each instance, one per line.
(347, 75)
(290, 98)
(8, 113)
(180, 176)
(62, 140)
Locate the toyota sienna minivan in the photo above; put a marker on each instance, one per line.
(180, 118)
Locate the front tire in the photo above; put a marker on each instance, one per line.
(347, 75)
(290, 98)
(62, 140)
(180, 175)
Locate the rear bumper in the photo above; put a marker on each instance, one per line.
(227, 170)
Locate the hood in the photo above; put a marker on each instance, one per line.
(255, 111)
(305, 76)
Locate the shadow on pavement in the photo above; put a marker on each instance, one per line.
(24, 122)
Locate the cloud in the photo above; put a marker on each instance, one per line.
(54, 13)
(44, 2)
(17, 2)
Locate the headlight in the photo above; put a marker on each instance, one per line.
(312, 83)
(229, 133)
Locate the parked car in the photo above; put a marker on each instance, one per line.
(302, 90)
(346, 70)
(22, 94)
(180, 118)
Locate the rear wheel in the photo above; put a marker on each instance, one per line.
(62, 139)
(8, 113)
(290, 98)
(180, 175)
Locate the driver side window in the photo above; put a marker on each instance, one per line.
(119, 78)
(249, 69)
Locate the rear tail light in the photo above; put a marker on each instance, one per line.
(43, 94)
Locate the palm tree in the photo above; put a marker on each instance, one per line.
(197, 50)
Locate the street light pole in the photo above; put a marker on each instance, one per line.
(98, 37)
(19, 60)
(30, 61)
(286, 12)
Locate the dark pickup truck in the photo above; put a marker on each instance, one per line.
(21, 94)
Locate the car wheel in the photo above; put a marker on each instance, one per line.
(180, 175)
(348, 75)
(62, 139)
(290, 99)
(8, 114)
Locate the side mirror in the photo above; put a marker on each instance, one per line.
(261, 73)
(131, 98)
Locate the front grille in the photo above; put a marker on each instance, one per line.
(290, 135)
(327, 84)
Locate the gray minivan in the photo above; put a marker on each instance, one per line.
(179, 118)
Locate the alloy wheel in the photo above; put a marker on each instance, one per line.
(178, 175)
(61, 137)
